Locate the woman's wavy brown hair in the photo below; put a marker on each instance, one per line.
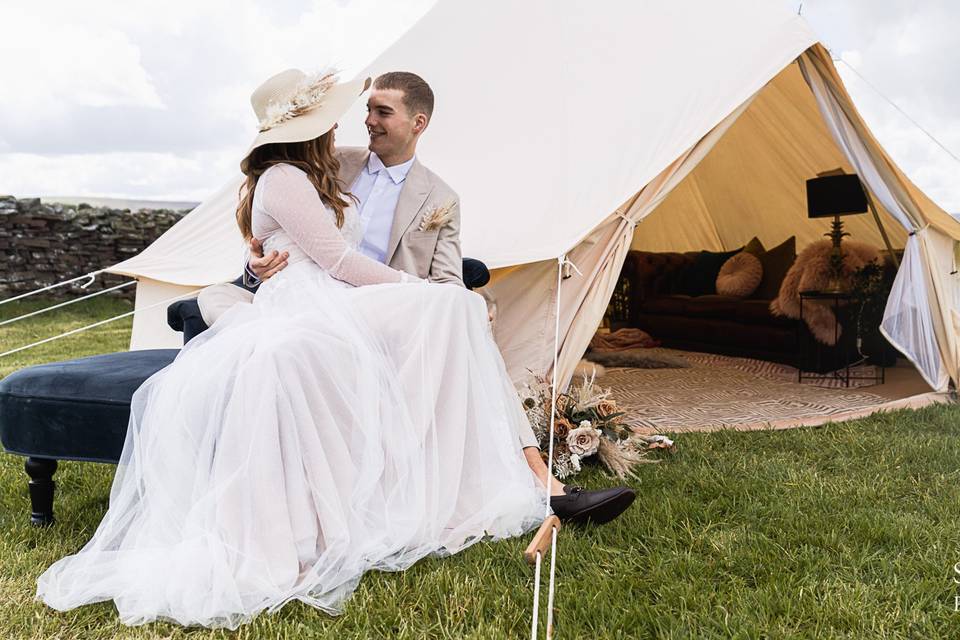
(315, 157)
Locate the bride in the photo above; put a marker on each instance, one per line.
(353, 417)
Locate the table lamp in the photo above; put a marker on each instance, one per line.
(835, 195)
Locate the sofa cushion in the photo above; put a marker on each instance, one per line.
(776, 262)
(740, 275)
(700, 278)
(754, 247)
(75, 410)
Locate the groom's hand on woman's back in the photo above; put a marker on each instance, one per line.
(265, 266)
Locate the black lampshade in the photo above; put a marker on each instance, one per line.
(835, 196)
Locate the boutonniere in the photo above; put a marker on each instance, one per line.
(437, 217)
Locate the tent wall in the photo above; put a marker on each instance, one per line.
(150, 329)
(203, 248)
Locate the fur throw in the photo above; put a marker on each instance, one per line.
(588, 369)
(626, 338)
(811, 271)
(637, 359)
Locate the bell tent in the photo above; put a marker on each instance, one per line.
(574, 131)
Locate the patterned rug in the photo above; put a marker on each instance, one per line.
(863, 375)
(724, 392)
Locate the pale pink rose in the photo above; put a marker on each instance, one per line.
(583, 441)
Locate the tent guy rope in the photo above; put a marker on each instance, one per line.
(89, 277)
(97, 324)
(68, 302)
(906, 115)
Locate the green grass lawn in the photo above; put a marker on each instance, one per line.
(849, 530)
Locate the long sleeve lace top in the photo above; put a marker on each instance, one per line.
(288, 201)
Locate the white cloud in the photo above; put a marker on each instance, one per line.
(89, 65)
(907, 53)
(139, 88)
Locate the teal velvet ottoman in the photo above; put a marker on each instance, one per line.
(78, 409)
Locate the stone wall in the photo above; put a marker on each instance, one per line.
(41, 244)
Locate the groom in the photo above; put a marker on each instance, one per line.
(398, 202)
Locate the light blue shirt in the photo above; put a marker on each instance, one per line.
(378, 189)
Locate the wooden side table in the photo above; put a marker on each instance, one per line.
(839, 300)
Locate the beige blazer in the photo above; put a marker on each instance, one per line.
(433, 254)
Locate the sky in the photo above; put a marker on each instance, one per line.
(907, 51)
(149, 99)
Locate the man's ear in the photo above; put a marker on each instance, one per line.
(420, 123)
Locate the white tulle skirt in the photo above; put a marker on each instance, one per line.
(320, 432)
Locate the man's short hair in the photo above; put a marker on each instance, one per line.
(417, 94)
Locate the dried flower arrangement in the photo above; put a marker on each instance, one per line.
(586, 423)
(308, 95)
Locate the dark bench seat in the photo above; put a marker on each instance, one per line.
(76, 410)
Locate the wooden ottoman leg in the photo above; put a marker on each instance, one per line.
(41, 472)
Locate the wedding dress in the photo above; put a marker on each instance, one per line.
(324, 430)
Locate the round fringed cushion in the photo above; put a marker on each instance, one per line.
(740, 275)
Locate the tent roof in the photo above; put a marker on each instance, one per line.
(203, 248)
(551, 114)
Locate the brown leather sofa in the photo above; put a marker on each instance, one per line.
(725, 325)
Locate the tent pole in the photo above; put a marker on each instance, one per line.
(883, 232)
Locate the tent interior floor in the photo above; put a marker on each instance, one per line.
(720, 392)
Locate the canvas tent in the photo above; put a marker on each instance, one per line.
(573, 130)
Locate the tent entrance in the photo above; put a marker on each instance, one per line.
(750, 184)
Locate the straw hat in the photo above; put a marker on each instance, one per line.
(293, 106)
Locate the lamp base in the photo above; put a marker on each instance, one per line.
(836, 284)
